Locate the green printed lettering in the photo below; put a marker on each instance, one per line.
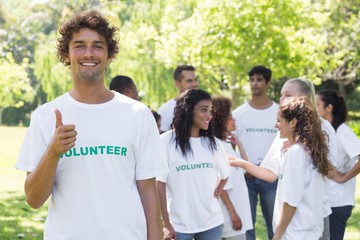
(123, 151)
(102, 149)
(68, 153)
(93, 151)
(117, 150)
(84, 151)
(110, 149)
(76, 154)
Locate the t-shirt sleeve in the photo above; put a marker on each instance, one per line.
(221, 161)
(349, 141)
(271, 160)
(150, 156)
(34, 144)
(165, 146)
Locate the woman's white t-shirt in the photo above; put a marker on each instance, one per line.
(342, 194)
(191, 182)
(300, 185)
(239, 196)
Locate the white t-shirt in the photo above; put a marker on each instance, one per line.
(342, 194)
(239, 196)
(300, 185)
(166, 112)
(273, 158)
(94, 195)
(255, 129)
(191, 183)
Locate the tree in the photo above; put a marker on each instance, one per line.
(15, 87)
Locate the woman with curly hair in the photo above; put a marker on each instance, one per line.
(234, 202)
(298, 210)
(196, 159)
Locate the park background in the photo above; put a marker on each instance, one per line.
(223, 39)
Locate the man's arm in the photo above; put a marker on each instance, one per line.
(39, 183)
(150, 201)
(286, 215)
(342, 178)
(169, 231)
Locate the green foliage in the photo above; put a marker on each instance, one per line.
(222, 39)
(15, 86)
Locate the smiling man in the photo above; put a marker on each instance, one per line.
(92, 152)
(255, 128)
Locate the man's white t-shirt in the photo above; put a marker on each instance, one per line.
(94, 195)
(300, 185)
(255, 129)
(342, 194)
(166, 112)
(238, 193)
(191, 182)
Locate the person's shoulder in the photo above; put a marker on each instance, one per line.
(326, 126)
(167, 135)
(170, 104)
(243, 107)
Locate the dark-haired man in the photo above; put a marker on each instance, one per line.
(124, 85)
(184, 79)
(255, 128)
(94, 151)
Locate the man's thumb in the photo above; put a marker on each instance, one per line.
(58, 118)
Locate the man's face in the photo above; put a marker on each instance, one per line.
(88, 55)
(132, 92)
(258, 85)
(188, 81)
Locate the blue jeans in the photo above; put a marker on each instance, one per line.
(267, 192)
(338, 219)
(211, 234)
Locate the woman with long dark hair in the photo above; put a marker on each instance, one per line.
(189, 192)
(332, 107)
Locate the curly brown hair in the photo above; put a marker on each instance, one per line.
(92, 20)
(221, 111)
(308, 130)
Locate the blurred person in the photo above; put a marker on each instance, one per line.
(256, 131)
(234, 198)
(332, 107)
(184, 79)
(124, 85)
(298, 212)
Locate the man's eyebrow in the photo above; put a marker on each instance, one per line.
(82, 41)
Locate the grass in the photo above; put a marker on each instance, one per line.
(19, 221)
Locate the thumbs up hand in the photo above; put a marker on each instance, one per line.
(64, 136)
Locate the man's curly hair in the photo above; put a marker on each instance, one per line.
(92, 20)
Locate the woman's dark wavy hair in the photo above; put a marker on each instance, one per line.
(308, 131)
(221, 110)
(183, 121)
(92, 20)
(339, 110)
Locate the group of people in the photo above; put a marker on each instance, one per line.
(111, 175)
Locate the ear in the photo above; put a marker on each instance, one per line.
(293, 122)
(177, 84)
(329, 108)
